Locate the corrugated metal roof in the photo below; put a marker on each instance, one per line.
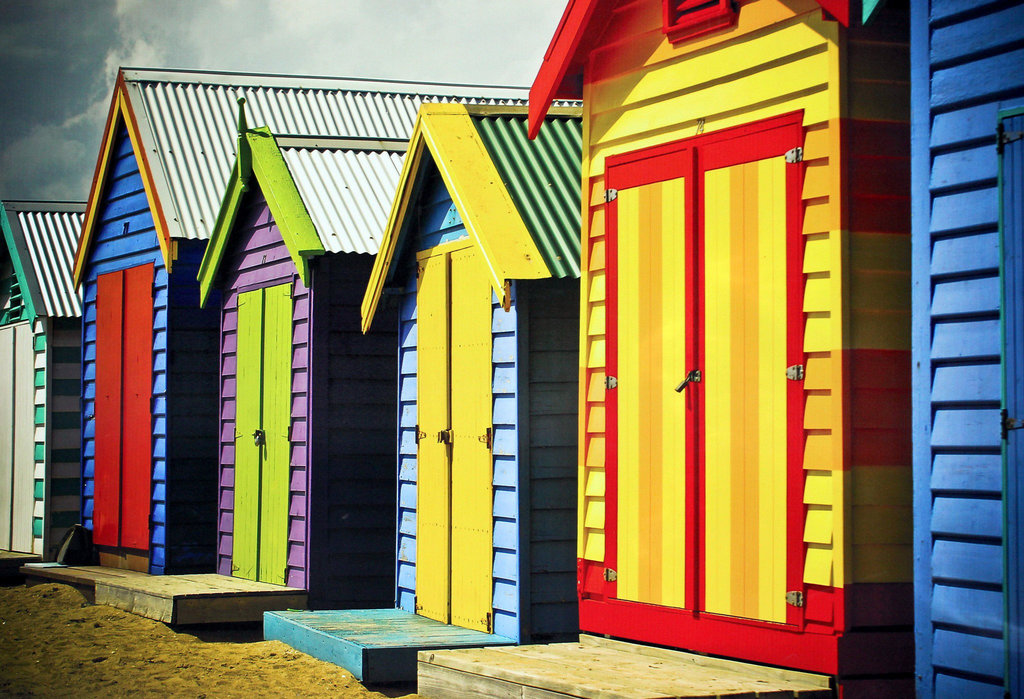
(49, 233)
(187, 122)
(347, 192)
(543, 177)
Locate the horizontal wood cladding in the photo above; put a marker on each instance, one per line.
(966, 69)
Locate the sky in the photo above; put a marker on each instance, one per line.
(59, 59)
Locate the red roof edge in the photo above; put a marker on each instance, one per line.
(582, 22)
(558, 76)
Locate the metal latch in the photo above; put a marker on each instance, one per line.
(610, 575)
(795, 155)
(795, 598)
(611, 382)
(1008, 423)
(795, 372)
(259, 437)
(611, 194)
(444, 437)
(693, 377)
(1003, 137)
(487, 437)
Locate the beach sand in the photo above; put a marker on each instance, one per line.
(55, 644)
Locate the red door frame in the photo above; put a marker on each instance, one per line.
(123, 414)
(691, 627)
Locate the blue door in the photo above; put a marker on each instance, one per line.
(1011, 194)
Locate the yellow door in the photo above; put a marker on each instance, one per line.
(700, 416)
(455, 502)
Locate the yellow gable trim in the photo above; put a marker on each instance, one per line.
(481, 198)
(120, 112)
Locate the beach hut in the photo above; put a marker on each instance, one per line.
(40, 340)
(968, 347)
(150, 425)
(481, 254)
(480, 261)
(745, 463)
(307, 401)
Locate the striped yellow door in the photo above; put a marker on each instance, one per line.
(745, 387)
(433, 491)
(454, 498)
(652, 359)
(471, 492)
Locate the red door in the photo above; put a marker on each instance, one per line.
(124, 415)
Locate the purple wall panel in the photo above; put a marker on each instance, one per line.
(257, 257)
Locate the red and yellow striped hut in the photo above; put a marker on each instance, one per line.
(745, 421)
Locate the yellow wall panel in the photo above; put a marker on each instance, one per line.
(818, 565)
(595, 387)
(882, 563)
(818, 332)
(594, 486)
(819, 450)
(595, 418)
(592, 546)
(883, 290)
(881, 485)
(595, 515)
(595, 353)
(888, 330)
(597, 288)
(818, 255)
(597, 259)
(820, 374)
(595, 451)
(818, 292)
(818, 488)
(818, 413)
(596, 321)
(818, 180)
(818, 525)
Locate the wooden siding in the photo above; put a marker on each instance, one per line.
(126, 238)
(58, 343)
(192, 389)
(17, 437)
(966, 67)
(352, 473)
(259, 259)
(549, 414)
(405, 546)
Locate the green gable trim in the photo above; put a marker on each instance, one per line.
(29, 310)
(259, 156)
(869, 8)
(543, 178)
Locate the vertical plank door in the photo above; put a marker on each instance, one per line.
(262, 423)
(17, 437)
(123, 412)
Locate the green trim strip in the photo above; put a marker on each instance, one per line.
(259, 151)
(40, 452)
(39, 342)
(39, 491)
(19, 269)
(37, 526)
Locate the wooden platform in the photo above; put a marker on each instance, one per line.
(173, 599)
(598, 668)
(375, 645)
(12, 561)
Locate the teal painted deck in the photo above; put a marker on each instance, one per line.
(375, 645)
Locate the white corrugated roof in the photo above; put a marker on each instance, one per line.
(347, 191)
(46, 235)
(188, 124)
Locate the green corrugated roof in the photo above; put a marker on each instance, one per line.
(543, 178)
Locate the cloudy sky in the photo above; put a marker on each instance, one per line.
(58, 59)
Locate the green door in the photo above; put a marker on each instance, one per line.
(262, 421)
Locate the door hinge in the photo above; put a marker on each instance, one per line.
(795, 372)
(611, 382)
(694, 376)
(489, 622)
(1003, 137)
(795, 598)
(795, 155)
(611, 194)
(488, 437)
(610, 575)
(420, 434)
(1008, 423)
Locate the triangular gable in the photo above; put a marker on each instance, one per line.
(121, 113)
(582, 23)
(19, 259)
(259, 156)
(446, 133)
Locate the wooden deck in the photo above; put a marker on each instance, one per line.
(12, 561)
(375, 645)
(598, 668)
(173, 599)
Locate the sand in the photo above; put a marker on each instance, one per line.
(55, 644)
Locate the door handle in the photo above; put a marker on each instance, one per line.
(259, 437)
(693, 377)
